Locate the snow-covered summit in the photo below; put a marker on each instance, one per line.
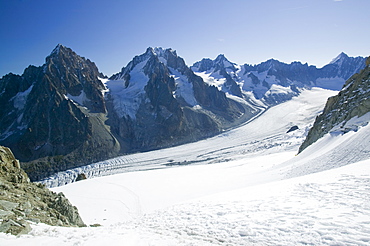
(208, 65)
(339, 59)
(159, 93)
(289, 78)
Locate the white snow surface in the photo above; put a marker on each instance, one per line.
(249, 188)
(127, 100)
(184, 88)
(80, 99)
(19, 100)
(212, 79)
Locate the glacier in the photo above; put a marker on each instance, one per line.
(245, 186)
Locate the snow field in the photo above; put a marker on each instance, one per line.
(326, 208)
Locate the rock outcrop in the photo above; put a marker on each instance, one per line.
(352, 101)
(23, 202)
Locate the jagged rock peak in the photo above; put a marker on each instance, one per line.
(340, 57)
(57, 49)
(152, 55)
(160, 52)
(221, 62)
(220, 57)
(61, 49)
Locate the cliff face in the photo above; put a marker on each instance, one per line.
(53, 116)
(157, 101)
(22, 202)
(352, 101)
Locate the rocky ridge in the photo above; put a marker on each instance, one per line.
(272, 81)
(23, 203)
(352, 102)
(164, 99)
(66, 114)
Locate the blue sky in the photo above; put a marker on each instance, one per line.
(112, 32)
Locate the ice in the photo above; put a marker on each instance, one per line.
(80, 99)
(184, 88)
(249, 188)
(127, 100)
(278, 89)
(212, 79)
(19, 100)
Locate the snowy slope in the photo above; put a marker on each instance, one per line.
(241, 193)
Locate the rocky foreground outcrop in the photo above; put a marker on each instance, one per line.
(23, 202)
(352, 101)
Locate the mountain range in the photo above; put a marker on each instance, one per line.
(273, 82)
(66, 113)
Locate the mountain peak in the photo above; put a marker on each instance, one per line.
(339, 58)
(159, 51)
(220, 57)
(222, 61)
(57, 49)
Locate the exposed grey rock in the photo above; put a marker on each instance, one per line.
(81, 176)
(353, 100)
(23, 201)
(18, 227)
(8, 206)
(4, 213)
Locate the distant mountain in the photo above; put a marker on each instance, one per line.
(66, 114)
(56, 114)
(61, 115)
(346, 111)
(272, 81)
(157, 101)
(221, 73)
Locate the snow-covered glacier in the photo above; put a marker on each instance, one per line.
(245, 186)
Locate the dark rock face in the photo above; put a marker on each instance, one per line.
(353, 100)
(55, 112)
(22, 201)
(292, 129)
(166, 115)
